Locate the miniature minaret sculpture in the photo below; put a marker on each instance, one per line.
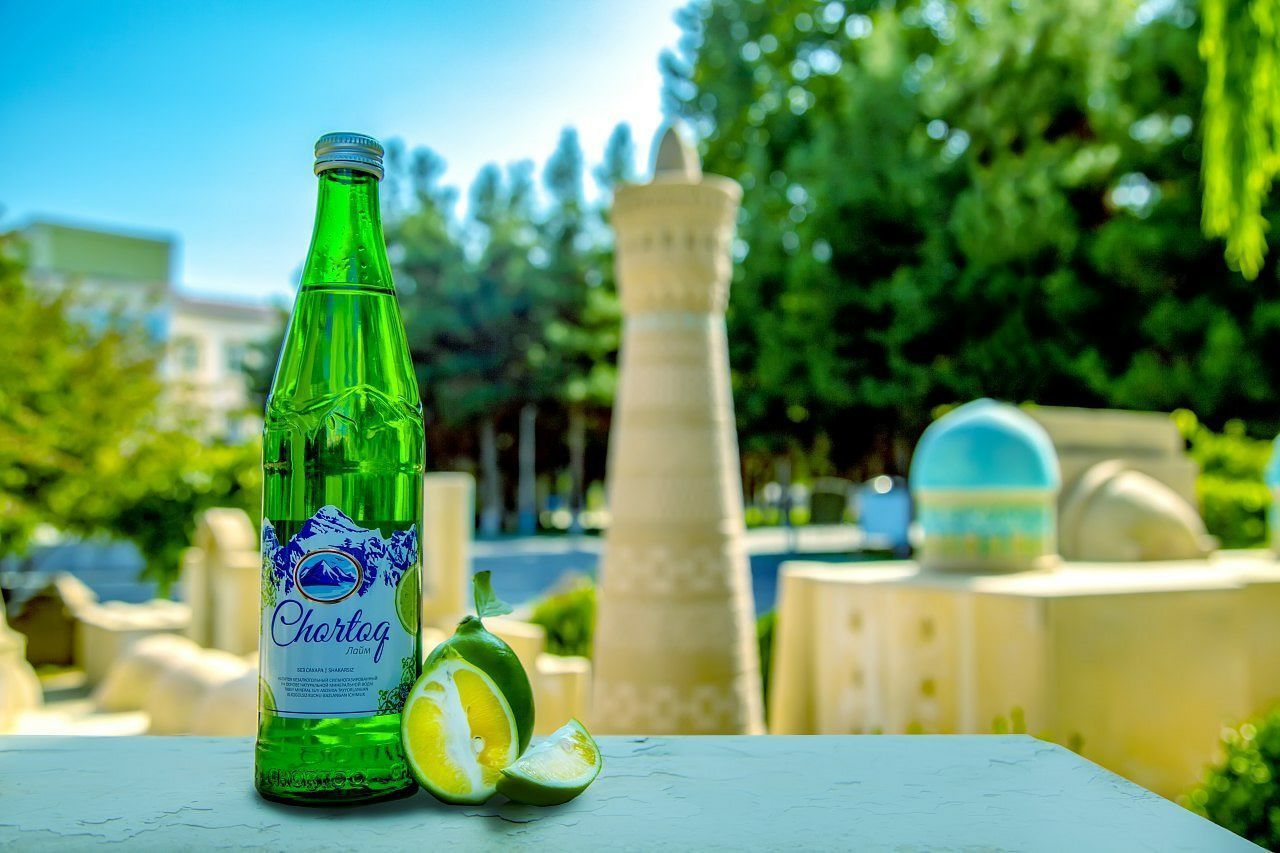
(675, 649)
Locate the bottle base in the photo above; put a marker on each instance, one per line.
(336, 799)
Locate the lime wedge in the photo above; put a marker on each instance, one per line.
(408, 600)
(553, 771)
(458, 731)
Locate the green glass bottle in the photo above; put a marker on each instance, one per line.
(342, 511)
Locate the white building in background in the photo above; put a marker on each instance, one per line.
(210, 342)
(204, 342)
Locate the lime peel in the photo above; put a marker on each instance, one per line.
(555, 770)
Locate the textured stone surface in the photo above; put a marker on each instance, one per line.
(1138, 664)
(695, 793)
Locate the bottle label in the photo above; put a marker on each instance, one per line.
(339, 618)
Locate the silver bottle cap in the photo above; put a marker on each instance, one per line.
(349, 151)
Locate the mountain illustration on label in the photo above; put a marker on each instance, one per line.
(327, 575)
(374, 559)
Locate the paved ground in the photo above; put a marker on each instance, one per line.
(523, 567)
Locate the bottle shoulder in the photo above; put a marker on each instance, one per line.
(362, 404)
(361, 426)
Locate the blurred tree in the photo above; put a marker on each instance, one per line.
(582, 333)
(509, 311)
(1240, 43)
(87, 444)
(167, 483)
(473, 311)
(619, 163)
(1241, 790)
(75, 407)
(259, 364)
(944, 201)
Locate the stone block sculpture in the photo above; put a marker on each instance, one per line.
(106, 631)
(19, 688)
(675, 648)
(1114, 513)
(223, 581)
(448, 505)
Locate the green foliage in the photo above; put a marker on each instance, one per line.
(1235, 511)
(170, 480)
(76, 404)
(472, 322)
(1240, 792)
(1240, 44)
(85, 443)
(1233, 497)
(569, 616)
(1014, 724)
(583, 333)
(259, 365)
(510, 307)
(942, 202)
(766, 630)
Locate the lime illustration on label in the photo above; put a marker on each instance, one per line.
(336, 640)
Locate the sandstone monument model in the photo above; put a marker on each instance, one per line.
(675, 644)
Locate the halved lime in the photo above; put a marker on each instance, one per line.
(408, 600)
(474, 644)
(458, 731)
(554, 771)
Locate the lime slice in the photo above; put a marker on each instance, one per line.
(553, 771)
(408, 600)
(268, 698)
(458, 731)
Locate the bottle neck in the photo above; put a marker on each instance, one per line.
(347, 246)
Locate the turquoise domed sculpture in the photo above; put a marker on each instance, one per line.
(985, 477)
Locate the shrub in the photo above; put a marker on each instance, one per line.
(766, 627)
(1240, 793)
(1234, 510)
(569, 616)
(1233, 498)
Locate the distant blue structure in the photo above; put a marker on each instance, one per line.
(986, 478)
(884, 513)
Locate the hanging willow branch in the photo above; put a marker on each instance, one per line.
(1240, 44)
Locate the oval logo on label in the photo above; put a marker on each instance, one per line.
(327, 575)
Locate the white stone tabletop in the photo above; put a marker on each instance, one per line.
(870, 792)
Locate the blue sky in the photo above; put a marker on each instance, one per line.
(197, 119)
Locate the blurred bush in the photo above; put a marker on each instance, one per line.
(87, 445)
(569, 616)
(1233, 497)
(1240, 792)
(172, 480)
(76, 400)
(766, 628)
